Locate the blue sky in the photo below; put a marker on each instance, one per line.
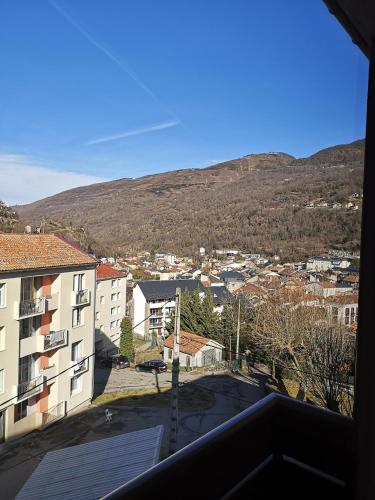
(94, 90)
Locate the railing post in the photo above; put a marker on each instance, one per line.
(364, 413)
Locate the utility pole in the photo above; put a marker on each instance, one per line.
(175, 375)
(238, 331)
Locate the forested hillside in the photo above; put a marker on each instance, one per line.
(269, 202)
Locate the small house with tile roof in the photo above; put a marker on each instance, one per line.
(195, 351)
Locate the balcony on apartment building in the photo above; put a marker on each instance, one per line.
(53, 414)
(43, 343)
(30, 388)
(36, 306)
(81, 298)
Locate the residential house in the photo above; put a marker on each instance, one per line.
(47, 295)
(154, 302)
(232, 280)
(319, 264)
(110, 307)
(327, 288)
(195, 351)
(343, 310)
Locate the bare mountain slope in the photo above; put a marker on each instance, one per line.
(271, 202)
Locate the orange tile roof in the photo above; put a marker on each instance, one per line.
(106, 272)
(21, 252)
(190, 343)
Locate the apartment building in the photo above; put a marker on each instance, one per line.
(153, 304)
(110, 307)
(47, 292)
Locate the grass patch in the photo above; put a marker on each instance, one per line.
(190, 398)
(154, 353)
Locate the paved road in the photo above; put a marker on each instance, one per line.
(127, 378)
(233, 393)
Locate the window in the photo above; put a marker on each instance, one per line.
(113, 296)
(113, 325)
(78, 282)
(2, 295)
(29, 327)
(352, 315)
(2, 375)
(117, 323)
(118, 295)
(75, 385)
(97, 315)
(77, 350)
(347, 311)
(102, 299)
(115, 283)
(20, 410)
(77, 317)
(2, 338)
(113, 311)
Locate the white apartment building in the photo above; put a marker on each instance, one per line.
(110, 307)
(47, 291)
(153, 304)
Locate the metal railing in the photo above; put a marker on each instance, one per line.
(30, 387)
(82, 297)
(32, 307)
(55, 339)
(80, 365)
(52, 414)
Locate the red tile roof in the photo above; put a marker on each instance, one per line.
(20, 252)
(106, 272)
(190, 343)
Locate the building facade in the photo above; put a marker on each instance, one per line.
(154, 303)
(47, 291)
(110, 307)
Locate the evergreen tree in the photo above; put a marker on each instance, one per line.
(126, 339)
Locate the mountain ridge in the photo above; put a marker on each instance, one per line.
(232, 203)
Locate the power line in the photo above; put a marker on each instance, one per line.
(79, 363)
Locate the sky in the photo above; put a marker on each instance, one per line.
(95, 90)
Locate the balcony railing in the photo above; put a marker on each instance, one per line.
(277, 448)
(31, 307)
(55, 339)
(30, 388)
(81, 298)
(80, 365)
(52, 414)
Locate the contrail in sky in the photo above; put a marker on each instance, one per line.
(132, 133)
(119, 63)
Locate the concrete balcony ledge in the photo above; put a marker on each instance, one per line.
(43, 343)
(49, 373)
(52, 302)
(81, 298)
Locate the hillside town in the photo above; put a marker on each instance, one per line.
(61, 307)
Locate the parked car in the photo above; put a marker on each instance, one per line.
(154, 366)
(115, 361)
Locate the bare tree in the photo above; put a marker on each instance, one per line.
(282, 327)
(328, 365)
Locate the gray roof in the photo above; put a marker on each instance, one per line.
(220, 295)
(92, 470)
(163, 290)
(231, 275)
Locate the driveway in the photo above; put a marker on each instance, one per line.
(233, 393)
